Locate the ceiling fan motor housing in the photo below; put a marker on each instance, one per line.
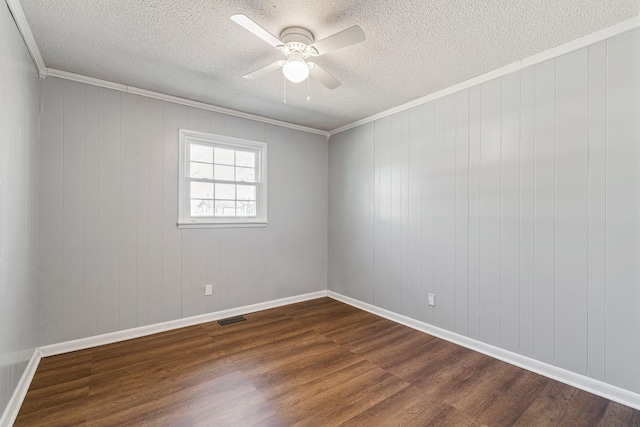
(297, 39)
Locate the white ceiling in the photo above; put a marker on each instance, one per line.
(191, 49)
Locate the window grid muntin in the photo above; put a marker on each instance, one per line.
(255, 183)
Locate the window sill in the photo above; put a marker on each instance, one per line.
(230, 224)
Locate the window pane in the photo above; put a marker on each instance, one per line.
(225, 192)
(246, 174)
(201, 190)
(201, 207)
(246, 209)
(224, 173)
(225, 208)
(224, 157)
(200, 153)
(246, 192)
(201, 170)
(245, 158)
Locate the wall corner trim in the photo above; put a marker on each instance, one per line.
(573, 379)
(23, 26)
(13, 407)
(555, 52)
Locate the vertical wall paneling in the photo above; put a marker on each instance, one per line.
(155, 213)
(297, 213)
(572, 162)
(20, 162)
(72, 206)
(447, 301)
(438, 208)
(404, 211)
(623, 208)
(218, 268)
(143, 266)
(428, 191)
(50, 225)
(475, 151)
(128, 210)
(395, 286)
(351, 213)
(414, 223)
(545, 175)
(527, 210)
(490, 205)
(235, 263)
(198, 251)
(596, 268)
(189, 121)
(108, 210)
(171, 236)
(527, 228)
(510, 213)
(381, 268)
(461, 170)
(90, 212)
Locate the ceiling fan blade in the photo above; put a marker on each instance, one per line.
(339, 40)
(261, 72)
(256, 29)
(322, 76)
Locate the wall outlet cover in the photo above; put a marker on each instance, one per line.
(208, 289)
(432, 299)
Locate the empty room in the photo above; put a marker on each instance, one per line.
(307, 213)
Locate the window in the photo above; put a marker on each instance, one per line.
(222, 181)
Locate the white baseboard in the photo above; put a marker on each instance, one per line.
(573, 379)
(13, 407)
(127, 334)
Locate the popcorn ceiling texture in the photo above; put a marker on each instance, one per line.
(191, 49)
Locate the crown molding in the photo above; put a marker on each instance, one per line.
(23, 26)
(576, 44)
(177, 100)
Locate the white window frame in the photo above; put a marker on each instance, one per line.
(185, 220)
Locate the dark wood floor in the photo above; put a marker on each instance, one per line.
(316, 363)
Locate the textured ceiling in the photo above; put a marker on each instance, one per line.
(191, 49)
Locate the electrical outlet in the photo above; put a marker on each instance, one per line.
(208, 289)
(432, 299)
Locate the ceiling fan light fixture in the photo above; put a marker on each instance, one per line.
(295, 69)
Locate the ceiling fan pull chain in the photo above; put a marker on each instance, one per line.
(285, 88)
(308, 95)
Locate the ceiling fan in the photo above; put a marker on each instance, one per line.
(297, 44)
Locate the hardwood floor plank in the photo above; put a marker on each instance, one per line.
(408, 407)
(617, 415)
(344, 400)
(548, 407)
(317, 362)
(584, 409)
(493, 383)
(508, 407)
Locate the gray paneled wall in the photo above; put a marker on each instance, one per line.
(19, 125)
(517, 202)
(111, 255)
